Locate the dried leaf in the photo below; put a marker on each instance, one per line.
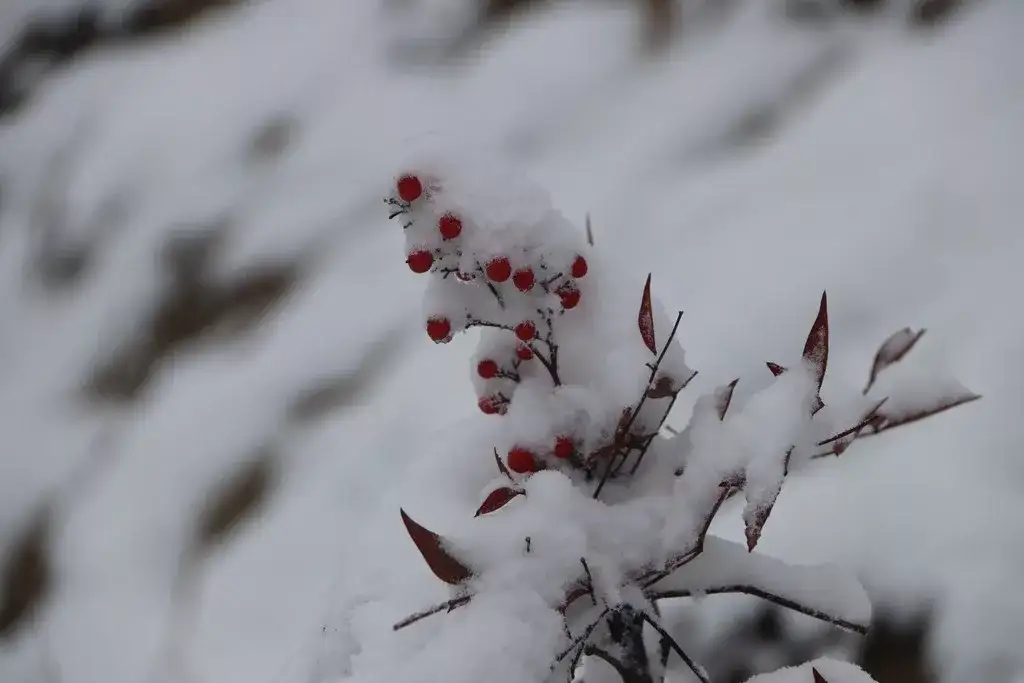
(444, 565)
(645, 320)
(816, 346)
(892, 351)
(818, 678)
(723, 397)
(755, 516)
(775, 368)
(501, 466)
(497, 499)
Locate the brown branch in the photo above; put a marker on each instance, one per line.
(773, 598)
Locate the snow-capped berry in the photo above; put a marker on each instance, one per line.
(579, 267)
(499, 269)
(524, 279)
(524, 352)
(564, 447)
(420, 261)
(449, 226)
(569, 295)
(522, 461)
(439, 329)
(487, 369)
(409, 188)
(526, 330)
(487, 405)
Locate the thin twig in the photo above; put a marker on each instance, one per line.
(697, 670)
(636, 411)
(773, 598)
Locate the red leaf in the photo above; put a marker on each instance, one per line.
(431, 546)
(816, 346)
(723, 397)
(501, 466)
(775, 368)
(497, 499)
(818, 678)
(645, 320)
(892, 351)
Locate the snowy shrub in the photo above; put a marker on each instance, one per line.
(595, 515)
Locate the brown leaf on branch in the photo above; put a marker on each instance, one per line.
(444, 565)
(723, 398)
(501, 466)
(645, 319)
(756, 515)
(775, 368)
(816, 346)
(818, 678)
(892, 351)
(497, 499)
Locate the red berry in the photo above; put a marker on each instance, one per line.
(420, 261)
(579, 267)
(564, 447)
(525, 331)
(487, 369)
(523, 279)
(524, 352)
(449, 226)
(499, 269)
(409, 188)
(487, 405)
(570, 297)
(439, 328)
(522, 461)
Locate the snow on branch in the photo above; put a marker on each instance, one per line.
(824, 592)
(593, 517)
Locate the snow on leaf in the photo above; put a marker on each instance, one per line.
(822, 670)
(897, 413)
(755, 514)
(816, 346)
(645, 319)
(444, 565)
(497, 499)
(824, 592)
(775, 368)
(892, 350)
(723, 397)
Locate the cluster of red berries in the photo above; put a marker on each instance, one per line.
(497, 270)
(524, 461)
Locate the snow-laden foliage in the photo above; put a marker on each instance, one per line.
(594, 515)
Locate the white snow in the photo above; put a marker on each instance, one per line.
(894, 185)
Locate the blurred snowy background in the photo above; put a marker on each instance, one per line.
(215, 390)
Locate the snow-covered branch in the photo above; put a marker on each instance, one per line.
(577, 368)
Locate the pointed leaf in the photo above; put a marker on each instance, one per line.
(497, 499)
(816, 346)
(501, 466)
(818, 678)
(645, 320)
(723, 397)
(756, 512)
(444, 565)
(775, 368)
(892, 351)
